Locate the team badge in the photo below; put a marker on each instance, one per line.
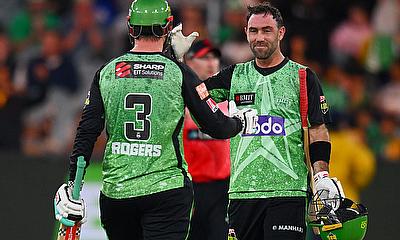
(324, 104)
(202, 91)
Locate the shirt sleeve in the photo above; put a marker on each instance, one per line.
(219, 85)
(204, 109)
(318, 109)
(90, 126)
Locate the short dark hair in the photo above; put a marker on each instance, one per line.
(266, 8)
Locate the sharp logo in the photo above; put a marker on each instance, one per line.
(269, 126)
(152, 70)
(148, 66)
(245, 99)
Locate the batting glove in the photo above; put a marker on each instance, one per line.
(248, 116)
(329, 190)
(67, 210)
(181, 44)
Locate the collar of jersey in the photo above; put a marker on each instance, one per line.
(270, 70)
(145, 53)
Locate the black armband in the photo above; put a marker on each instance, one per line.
(320, 151)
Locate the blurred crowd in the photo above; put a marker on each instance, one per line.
(50, 50)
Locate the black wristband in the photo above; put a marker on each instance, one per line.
(320, 150)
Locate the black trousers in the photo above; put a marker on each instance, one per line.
(210, 211)
(160, 216)
(268, 219)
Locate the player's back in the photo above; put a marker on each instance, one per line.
(142, 97)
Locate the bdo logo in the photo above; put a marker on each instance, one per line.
(269, 126)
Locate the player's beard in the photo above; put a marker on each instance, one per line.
(266, 52)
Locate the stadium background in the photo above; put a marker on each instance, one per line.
(50, 50)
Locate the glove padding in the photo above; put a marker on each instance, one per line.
(181, 44)
(67, 210)
(248, 116)
(329, 190)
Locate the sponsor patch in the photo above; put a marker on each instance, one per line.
(324, 104)
(245, 99)
(212, 105)
(202, 91)
(153, 70)
(287, 228)
(269, 126)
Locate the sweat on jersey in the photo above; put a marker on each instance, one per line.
(140, 98)
(270, 162)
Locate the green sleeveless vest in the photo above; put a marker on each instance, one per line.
(143, 110)
(269, 163)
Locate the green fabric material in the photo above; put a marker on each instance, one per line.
(132, 167)
(268, 166)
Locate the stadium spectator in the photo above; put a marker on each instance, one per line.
(388, 97)
(354, 162)
(53, 78)
(357, 25)
(28, 25)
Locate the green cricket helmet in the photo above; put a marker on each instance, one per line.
(348, 222)
(154, 14)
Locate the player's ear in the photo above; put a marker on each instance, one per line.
(281, 32)
(245, 32)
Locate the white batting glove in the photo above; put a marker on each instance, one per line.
(328, 189)
(248, 116)
(181, 44)
(67, 208)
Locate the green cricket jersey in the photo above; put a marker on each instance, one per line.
(270, 162)
(140, 99)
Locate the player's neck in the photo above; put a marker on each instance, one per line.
(275, 59)
(148, 46)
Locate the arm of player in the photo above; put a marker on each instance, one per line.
(204, 109)
(90, 126)
(219, 85)
(328, 189)
(320, 146)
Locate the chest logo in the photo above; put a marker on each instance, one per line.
(245, 99)
(269, 126)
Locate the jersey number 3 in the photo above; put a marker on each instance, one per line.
(131, 130)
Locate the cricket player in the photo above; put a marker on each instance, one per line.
(140, 98)
(268, 183)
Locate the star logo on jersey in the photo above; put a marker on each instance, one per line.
(268, 150)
